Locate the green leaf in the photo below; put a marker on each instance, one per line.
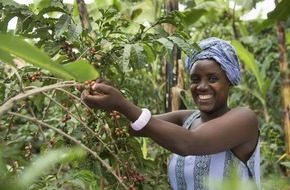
(50, 9)
(151, 54)
(165, 42)
(281, 12)
(73, 32)
(193, 15)
(249, 60)
(82, 70)
(19, 48)
(265, 23)
(136, 147)
(126, 56)
(6, 57)
(45, 162)
(287, 164)
(288, 38)
(144, 148)
(182, 44)
(138, 58)
(136, 13)
(62, 25)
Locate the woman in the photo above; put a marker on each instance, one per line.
(211, 140)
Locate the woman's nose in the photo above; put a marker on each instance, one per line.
(202, 85)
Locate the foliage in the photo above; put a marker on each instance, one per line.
(42, 116)
(42, 111)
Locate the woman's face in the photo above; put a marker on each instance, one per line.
(209, 86)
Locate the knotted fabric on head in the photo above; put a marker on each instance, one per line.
(222, 52)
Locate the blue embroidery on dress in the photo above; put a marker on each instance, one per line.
(201, 172)
(179, 167)
(179, 171)
(231, 162)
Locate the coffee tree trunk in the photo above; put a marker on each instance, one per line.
(173, 68)
(283, 62)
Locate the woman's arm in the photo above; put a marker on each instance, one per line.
(236, 127)
(176, 117)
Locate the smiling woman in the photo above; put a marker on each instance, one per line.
(206, 143)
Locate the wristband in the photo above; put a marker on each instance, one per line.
(142, 120)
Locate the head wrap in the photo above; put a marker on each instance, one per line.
(222, 52)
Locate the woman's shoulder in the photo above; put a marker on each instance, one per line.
(242, 112)
(243, 116)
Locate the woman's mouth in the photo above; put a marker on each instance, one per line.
(205, 96)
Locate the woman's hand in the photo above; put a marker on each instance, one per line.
(104, 96)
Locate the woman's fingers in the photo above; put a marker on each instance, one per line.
(101, 88)
(88, 99)
(103, 81)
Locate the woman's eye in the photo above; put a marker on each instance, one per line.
(193, 80)
(212, 79)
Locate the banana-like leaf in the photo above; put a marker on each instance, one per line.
(249, 60)
(281, 12)
(20, 48)
(193, 15)
(79, 70)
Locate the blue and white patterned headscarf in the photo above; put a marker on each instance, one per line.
(222, 52)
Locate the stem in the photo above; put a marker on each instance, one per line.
(14, 100)
(35, 120)
(39, 126)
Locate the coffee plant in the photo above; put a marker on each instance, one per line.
(50, 140)
(45, 65)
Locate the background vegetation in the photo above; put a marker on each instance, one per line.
(50, 140)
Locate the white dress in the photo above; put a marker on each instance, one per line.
(198, 172)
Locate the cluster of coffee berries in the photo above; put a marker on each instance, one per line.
(28, 149)
(136, 178)
(67, 49)
(115, 115)
(121, 132)
(88, 86)
(35, 75)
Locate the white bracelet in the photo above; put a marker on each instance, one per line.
(142, 120)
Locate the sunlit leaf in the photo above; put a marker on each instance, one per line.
(126, 56)
(6, 57)
(165, 42)
(19, 48)
(136, 13)
(82, 70)
(249, 60)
